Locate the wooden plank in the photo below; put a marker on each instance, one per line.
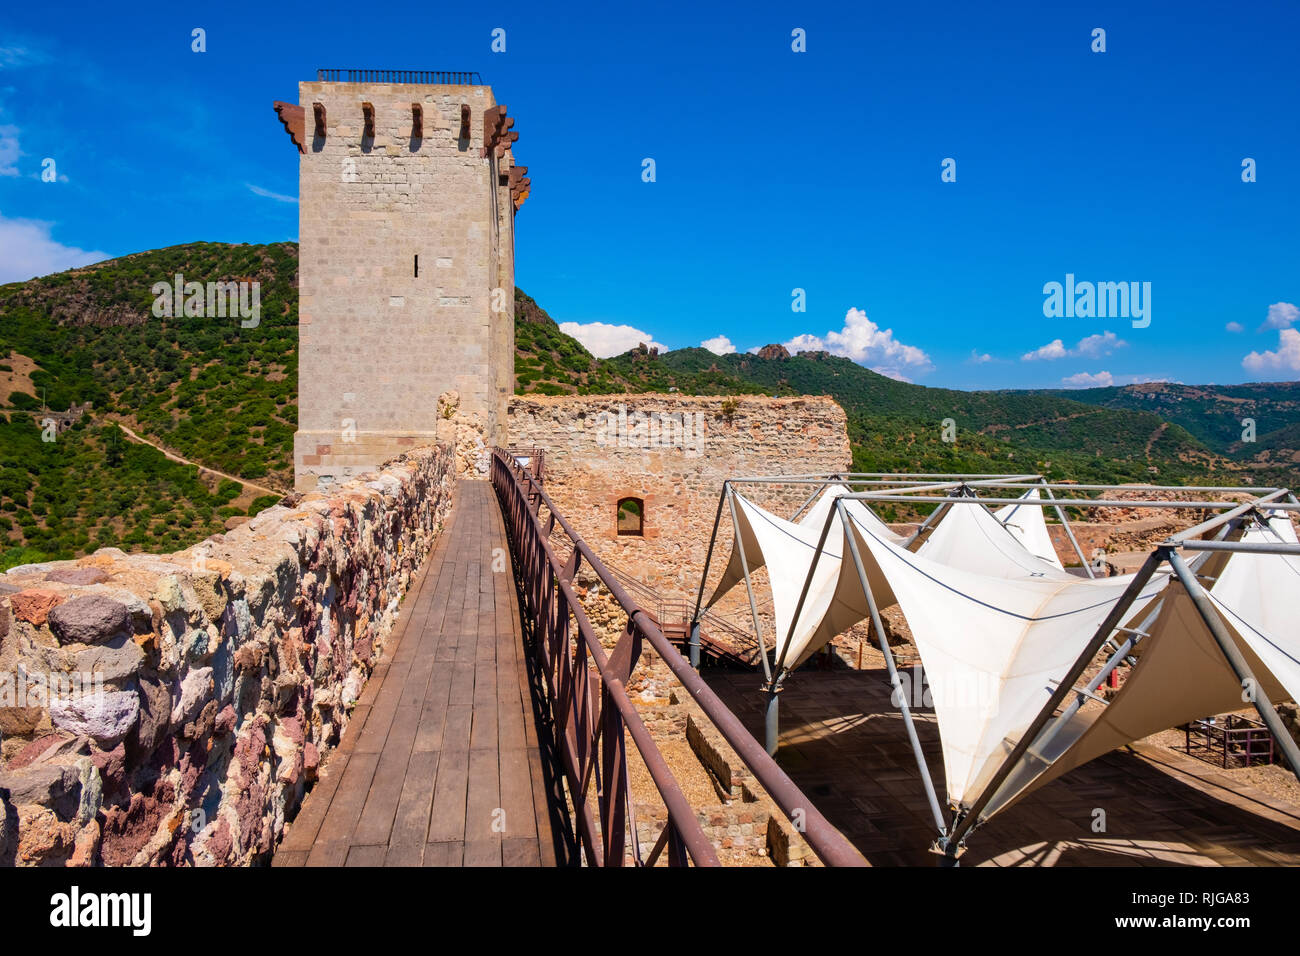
(462, 683)
(376, 821)
(485, 852)
(306, 825)
(404, 855)
(483, 810)
(345, 808)
(447, 819)
(517, 851)
(433, 714)
(444, 854)
(483, 735)
(411, 823)
(366, 856)
(456, 731)
(517, 793)
(328, 854)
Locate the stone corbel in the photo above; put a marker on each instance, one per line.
(519, 184)
(319, 110)
(368, 112)
(497, 135)
(293, 118)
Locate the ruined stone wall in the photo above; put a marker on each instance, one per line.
(378, 343)
(673, 452)
(194, 693)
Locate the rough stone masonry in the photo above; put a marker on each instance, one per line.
(217, 676)
(594, 461)
(407, 198)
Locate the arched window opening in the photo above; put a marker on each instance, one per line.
(631, 516)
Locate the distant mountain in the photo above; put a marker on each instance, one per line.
(1217, 414)
(226, 396)
(1098, 435)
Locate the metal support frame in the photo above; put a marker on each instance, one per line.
(970, 817)
(1069, 532)
(913, 488)
(749, 588)
(894, 681)
(1237, 661)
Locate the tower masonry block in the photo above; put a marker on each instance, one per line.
(407, 198)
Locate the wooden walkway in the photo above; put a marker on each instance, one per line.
(441, 764)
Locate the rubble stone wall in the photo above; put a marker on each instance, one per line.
(673, 452)
(173, 709)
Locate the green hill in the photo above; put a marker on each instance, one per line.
(225, 396)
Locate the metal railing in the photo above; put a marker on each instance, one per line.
(438, 77)
(1233, 737)
(591, 709)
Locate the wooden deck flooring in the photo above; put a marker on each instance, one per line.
(441, 763)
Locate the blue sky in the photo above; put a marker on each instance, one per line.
(775, 170)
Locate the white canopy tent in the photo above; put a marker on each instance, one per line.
(993, 646)
(975, 539)
(1181, 674)
(1028, 524)
(1005, 633)
(786, 549)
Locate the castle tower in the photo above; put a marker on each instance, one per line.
(407, 196)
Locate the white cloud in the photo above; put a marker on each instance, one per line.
(604, 340)
(1054, 349)
(719, 345)
(867, 344)
(1281, 315)
(266, 193)
(1089, 380)
(1285, 359)
(16, 56)
(28, 250)
(9, 151)
(1235, 327)
(1091, 346)
(979, 358)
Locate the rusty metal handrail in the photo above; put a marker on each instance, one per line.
(517, 488)
(590, 736)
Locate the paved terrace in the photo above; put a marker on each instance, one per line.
(844, 745)
(443, 743)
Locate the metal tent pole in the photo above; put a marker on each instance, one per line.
(1064, 689)
(803, 594)
(749, 587)
(895, 681)
(930, 519)
(704, 577)
(1237, 661)
(1065, 523)
(770, 721)
(811, 498)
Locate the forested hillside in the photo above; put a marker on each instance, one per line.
(225, 395)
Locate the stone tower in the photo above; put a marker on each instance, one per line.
(407, 195)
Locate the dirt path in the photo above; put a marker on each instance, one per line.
(172, 456)
(1155, 437)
